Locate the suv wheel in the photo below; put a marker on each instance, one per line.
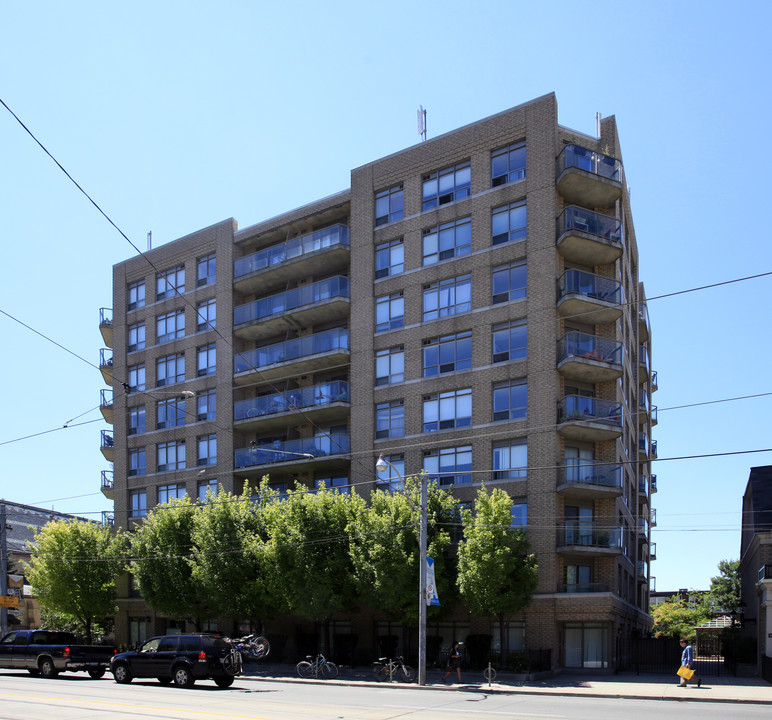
(122, 674)
(183, 677)
(224, 681)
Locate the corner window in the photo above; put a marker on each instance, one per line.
(509, 223)
(390, 365)
(446, 186)
(136, 337)
(509, 282)
(170, 282)
(449, 466)
(447, 241)
(136, 423)
(508, 164)
(390, 419)
(137, 503)
(206, 272)
(136, 378)
(136, 295)
(510, 400)
(389, 259)
(389, 312)
(448, 410)
(510, 341)
(447, 297)
(207, 360)
(137, 462)
(206, 315)
(389, 205)
(447, 354)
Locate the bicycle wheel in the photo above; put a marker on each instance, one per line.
(305, 669)
(329, 669)
(406, 673)
(380, 673)
(259, 647)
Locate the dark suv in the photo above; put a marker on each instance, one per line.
(181, 659)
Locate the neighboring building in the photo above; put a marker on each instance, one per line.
(22, 522)
(470, 306)
(756, 564)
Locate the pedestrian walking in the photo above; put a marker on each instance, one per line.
(454, 661)
(687, 661)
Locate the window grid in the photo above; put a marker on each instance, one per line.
(510, 400)
(390, 419)
(508, 164)
(136, 295)
(171, 455)
(447, 297)
(206, 405)
(390, 365)
(206, 315)
(446, 186)
(387, 479)
(447, 354)
(170, 413)
(449, 466)
(136, 378)
(448, 410)
(519, 515)
(175, 491)
(509, 282)
(170, 369)
(138, 503)
(169, 282)
(137, 461)
(390, 258)
(389, 312)
(170, 326)
(389, 205)
(510, 460)
(136, 337)
(207, 450)
(207, 360)
(509, 223)
(510, 341)
(447, 241)
(206, 272)
(206, 485)
(136, 424)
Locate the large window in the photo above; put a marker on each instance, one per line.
(447, 241)
(510, 400)
(170, 326)
(510, 460)
(446, 186)
(389, 479)
(390, 258)
(449, 466)
(390, 365)
(510, 341)
(136, 336)
(340, 483)
(206, 315)
(205, 487)
(170, 369)
(389, 205)
(447, 297)
(137, 503)
(586, 645)
(136, 295)
(519, 511)
(509, 223)
(137, 461)
(171, 455)
(207, 450)
(448, 410)
(136, 424)
(206, 405)
(509, 282)
(206, 270)
(170, 412)
(447, 354)
(390, 419)
(508, 164)
(136, 378)
(207, 360)
(169, 282)
(389, 311)
(175, 491)
(578, 578)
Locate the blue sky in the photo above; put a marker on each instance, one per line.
(176, 115)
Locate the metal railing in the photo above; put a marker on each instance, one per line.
(591, 474)
(323, 342)
(589, 535)
(576, 344)
(578, 407)
(292, 450)
(576, 156)
(579, 282)
(308, 397)
(583, 220)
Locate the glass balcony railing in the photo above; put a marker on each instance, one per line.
(582, 588)
(105, 357)
(107, 439)
(652, 551)
(587, 221)
(575, 156)
(654, 483)
(590, 347)
(105, 316)
(640, 567)
(643, 360)
(578, 407)
(309, 397)
(590, 535)
(107, 480)
(294, 248)
(643, 527)
(305, 449)
(324, 342)
(579, 282)
(331, 288)
(106, 398)
(591, 474)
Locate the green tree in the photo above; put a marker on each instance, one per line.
(678, 617)
(163, 559)
(724, 593)
(73, 568)
(496, 573)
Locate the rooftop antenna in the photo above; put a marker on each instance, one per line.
(597, 124)
(422, 122)
(149, 240)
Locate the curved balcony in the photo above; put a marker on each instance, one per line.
(323, 404)
(589, 298)
(589, 419)
(107, 484)
(590, 481)
(588, 178)
(591, 539)
(588, 237)
(106, 445)
(316, 253)
(106, 325)
(323, 301)
(591, 359)
(308, 452)
(106, 404)
(106, 364)
(308, 354)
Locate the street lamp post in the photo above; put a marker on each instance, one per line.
(381, 465)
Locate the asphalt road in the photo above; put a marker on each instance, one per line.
(77, 697)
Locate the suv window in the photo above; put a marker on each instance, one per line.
(189, 643)
(167, 644)
(151, 645)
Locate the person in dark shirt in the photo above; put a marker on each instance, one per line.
(454, 661)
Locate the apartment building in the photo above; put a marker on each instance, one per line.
(470, 306)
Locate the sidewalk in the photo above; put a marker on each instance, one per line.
(624, 685)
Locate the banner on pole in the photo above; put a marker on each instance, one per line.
(431, 584)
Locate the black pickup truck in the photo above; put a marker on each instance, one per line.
(49, 652)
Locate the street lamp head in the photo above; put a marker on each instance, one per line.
(381, 465)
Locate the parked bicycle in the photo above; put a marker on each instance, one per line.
(252, 647)
(388, 669)
(311, 667)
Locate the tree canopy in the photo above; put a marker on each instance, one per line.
(678, 617)
(724, 593)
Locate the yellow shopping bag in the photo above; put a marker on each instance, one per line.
(685, 672)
